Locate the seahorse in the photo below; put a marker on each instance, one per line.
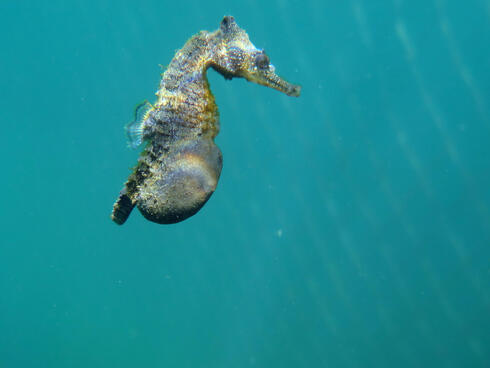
(179, 167)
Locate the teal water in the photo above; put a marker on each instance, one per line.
(350, 227)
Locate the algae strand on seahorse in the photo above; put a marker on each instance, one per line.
(180, 165)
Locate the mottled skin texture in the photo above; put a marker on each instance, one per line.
(180, 165)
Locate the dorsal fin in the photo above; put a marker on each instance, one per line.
(134, 130)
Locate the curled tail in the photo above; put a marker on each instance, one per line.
(122, 208)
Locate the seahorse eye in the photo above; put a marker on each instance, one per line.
(262, 61)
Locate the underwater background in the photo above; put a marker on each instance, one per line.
(350, 226)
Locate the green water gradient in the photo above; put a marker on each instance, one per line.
(350, 226)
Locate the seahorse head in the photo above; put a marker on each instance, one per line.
(236, 56)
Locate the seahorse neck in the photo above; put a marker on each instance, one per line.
(190, 63)
(184, 97)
